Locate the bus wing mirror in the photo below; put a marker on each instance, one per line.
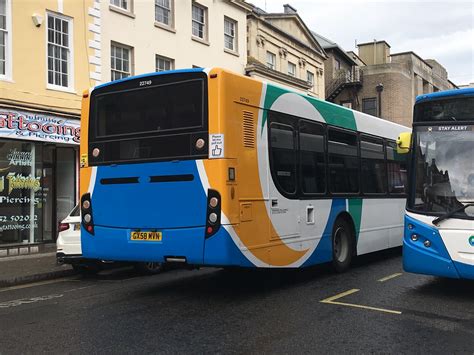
(403, 143)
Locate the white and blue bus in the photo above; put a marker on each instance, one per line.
(439, 223)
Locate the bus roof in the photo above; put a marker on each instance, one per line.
(193, 70)
(447, 93)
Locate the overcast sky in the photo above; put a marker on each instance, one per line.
(441, 30)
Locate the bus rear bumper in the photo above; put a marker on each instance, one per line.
(115, 244)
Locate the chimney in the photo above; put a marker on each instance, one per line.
(288, 9)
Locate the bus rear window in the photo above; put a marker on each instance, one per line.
(150, 110)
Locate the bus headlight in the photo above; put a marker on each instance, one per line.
(86, 204)
(414, 237)
(87, 218)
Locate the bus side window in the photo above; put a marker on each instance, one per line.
(283, 155)
(373, 174)
(343, 161)
(397, 170)
(312, 157)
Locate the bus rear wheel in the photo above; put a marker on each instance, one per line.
(342, 245)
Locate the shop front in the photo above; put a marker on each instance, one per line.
(38, 177)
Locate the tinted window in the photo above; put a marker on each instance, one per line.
(343, 162)
(447, 109)
(161, 108)
(282, 141)
(373, 174)
(312, 157)
(397, 170)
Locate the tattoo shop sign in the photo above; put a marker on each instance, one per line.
(38, 127)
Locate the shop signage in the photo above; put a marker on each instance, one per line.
(39, 127)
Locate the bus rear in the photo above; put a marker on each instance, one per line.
(439, 225)
(143, 143)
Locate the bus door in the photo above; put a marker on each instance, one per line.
(284, 207)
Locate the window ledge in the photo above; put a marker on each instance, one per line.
(231, 52)
(6, 79)
(60, 88)
(200, 40)
(121, 11)
(164, 27)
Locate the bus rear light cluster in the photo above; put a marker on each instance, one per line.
(213, 214)
(86, 213)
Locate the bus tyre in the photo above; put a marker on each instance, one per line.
(149, 268)
(342, 245)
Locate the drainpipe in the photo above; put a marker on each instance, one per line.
(379, 89)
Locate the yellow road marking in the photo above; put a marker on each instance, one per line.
(40, 283)
(332, 300)
(389, 277)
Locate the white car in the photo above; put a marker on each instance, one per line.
(69, 251)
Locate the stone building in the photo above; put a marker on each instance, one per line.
(386, 84)
(133, 37)
(282, 50)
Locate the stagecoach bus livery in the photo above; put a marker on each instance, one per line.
(439, 224)
(209, 167)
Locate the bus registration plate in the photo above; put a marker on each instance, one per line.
(147, 236)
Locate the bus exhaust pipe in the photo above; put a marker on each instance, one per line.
(175, 259)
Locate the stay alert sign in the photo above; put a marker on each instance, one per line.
(216, 146)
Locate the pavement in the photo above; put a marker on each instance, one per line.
(18, 270)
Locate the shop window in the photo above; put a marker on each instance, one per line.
(343, 161)
(21, 193)
(374, 179)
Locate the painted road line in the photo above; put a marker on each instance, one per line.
(332, 300)
(389, 277)
(16, 303)
(40, 283)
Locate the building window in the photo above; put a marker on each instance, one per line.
(271, 60)
(123, 4)
(120, 61)
(291, 69)
(347, 104)
(163, 12)
(199, 21)
(369, 106)
(337, 64)
(310, 78)
(163, 63)
(4, 38)
(230, 34)
(59, 51)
